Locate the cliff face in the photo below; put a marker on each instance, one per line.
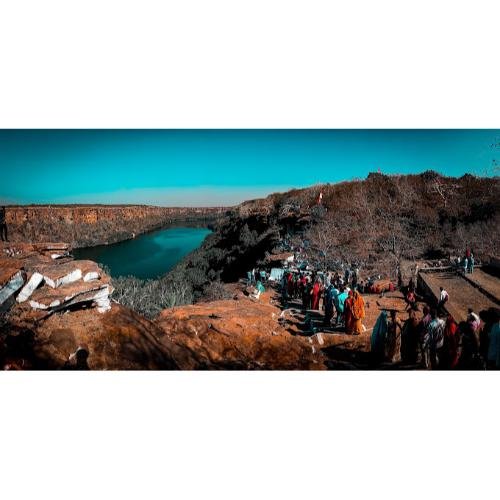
(54, 309)
(97, 224)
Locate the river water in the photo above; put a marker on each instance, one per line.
(149, 255)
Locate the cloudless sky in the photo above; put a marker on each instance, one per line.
(219, 167)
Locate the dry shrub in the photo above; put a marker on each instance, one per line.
(215, 291)
(150, 297)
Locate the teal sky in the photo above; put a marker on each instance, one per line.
(218, 167)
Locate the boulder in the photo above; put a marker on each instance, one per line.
(60, 274)
(11, 280)
(236, 334)
(381, 286)
(69, 295)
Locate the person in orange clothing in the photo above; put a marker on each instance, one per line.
(354, 311)
(358, 312)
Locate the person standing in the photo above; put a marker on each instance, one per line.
(328, 280)
(284, 288)
(358, 312)
(410, 299)
(410, 338)
(443, 298)
(415, 273)
(290, 285)
(469, 348)
(3, 225)
(348, 315)
(328, 305)
(355, 278)
(306, 294)
(340, 303)
(259, 289)
(393, 338)
(256, 275)
(474, 320)
(449, 358)
(471, 263)
(316, 293)
(433, 341)
(378, 338)
(301, 285)
(335, 300)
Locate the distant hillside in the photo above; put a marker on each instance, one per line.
(375, 223)
(90, 225)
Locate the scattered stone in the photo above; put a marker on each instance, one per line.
(63, 274)
(30, 287)
(91, 276)
(68, 295)
(11, 286)
(56, 256)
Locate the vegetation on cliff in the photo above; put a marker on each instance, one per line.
(92, 225)
(376, 223)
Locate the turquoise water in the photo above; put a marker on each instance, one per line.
(150, 255)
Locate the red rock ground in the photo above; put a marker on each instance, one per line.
(239, 333)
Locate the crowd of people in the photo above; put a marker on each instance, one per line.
(438, 342)
(340, 297)
(428, 338)
(256, 278)
(467, 262)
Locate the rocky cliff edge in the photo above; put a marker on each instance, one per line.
(54, 307)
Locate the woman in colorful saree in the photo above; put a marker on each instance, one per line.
(355, 313)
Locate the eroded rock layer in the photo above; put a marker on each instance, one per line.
(90, 225)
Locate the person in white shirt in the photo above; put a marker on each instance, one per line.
(443, 298)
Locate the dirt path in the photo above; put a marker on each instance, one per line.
(344, 351)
